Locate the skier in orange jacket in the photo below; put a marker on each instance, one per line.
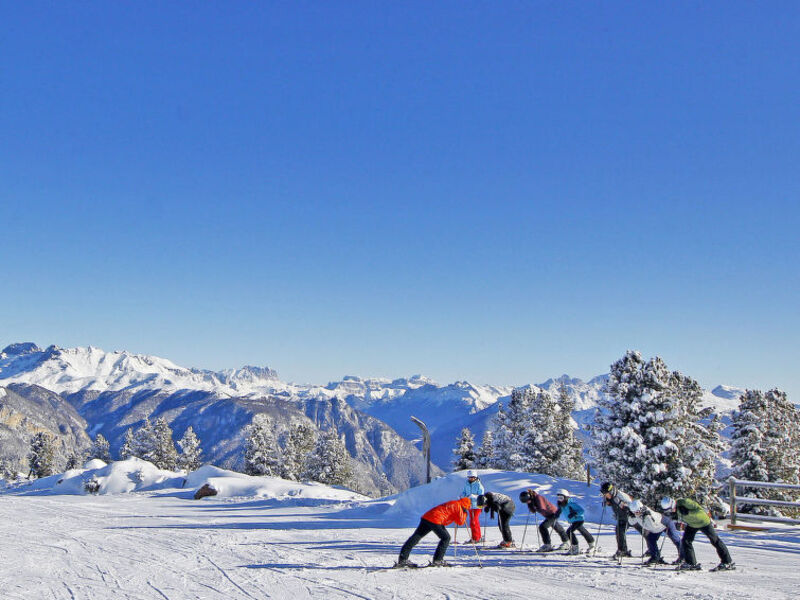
(436, 520)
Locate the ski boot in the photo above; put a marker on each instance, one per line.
(684, 566)
(574, 549)
(549, 548)
(564, 546)
(440, 563)
(654, 560)
(622, 554)
(725, 567)
(404, 563)
(591, 548)
(506, 545)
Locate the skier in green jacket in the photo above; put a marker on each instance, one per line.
(696, 519)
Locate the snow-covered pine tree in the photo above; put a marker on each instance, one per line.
(518, 424)
(100, 449)
(484, 454)
(540, 449)
(128, 448)
(164, 454)
(502, 440)
(191, 456)
(75, 459)
(329, 462)
(643, 433)
(569, 463)
(464, 451)
(766, 445)
(262, 455)
(42, 456)
(298, 443)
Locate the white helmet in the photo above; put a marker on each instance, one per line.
(563, 492)
(636, 506)
(667, 504)
(472, 473)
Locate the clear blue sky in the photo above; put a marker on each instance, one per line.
(498, 192)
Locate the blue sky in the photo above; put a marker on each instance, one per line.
(498, 192)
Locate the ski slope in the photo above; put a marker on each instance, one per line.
(161, 544)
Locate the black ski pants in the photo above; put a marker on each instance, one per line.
(503, 517)
(578, 526)
(711, 534)
(544, 529)
(423, 529)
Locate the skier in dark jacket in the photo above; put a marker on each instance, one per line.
(696, 518)
(619, 502)
(504, 507)
(539, 504)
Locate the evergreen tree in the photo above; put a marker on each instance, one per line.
(164, 455)
(569, 462)
(75, 460)
(766, 445)
(540, 449)
(42, 456)
(648, 437)
(100, 449)
(298, 443)
(464, 451)
(329, 462)
(518, 424)
(502, 440)
(128, 449)
(262, 455)
(485, 454)
(191, 453)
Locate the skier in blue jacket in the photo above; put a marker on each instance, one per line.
(472, 489)
(573, 512)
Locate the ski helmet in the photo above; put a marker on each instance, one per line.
(481, 501)
(607, 488)
(524, 496)
(667, 504)
(636, 507)
(472, 473)
(564, 493)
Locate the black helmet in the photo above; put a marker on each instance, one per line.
(481, 500)
(607, 488)
(524, 497)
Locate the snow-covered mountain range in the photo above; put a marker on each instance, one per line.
(116, 390)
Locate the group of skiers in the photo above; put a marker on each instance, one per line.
(684, 513)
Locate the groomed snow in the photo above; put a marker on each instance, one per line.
(161, 544)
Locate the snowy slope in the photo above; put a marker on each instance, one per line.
(157, 545)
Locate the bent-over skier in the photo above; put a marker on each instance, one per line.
(696, 518)
(436, 520)
(504, 507)
(539, 504)
(653, 525)
(618, 501)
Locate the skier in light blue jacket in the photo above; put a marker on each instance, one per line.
(472, 489)
(574, 514)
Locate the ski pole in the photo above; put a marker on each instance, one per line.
(536, 524)
(599, 525)
(477, 555)
(483, 531)
(642, 561)
(525, 532)
(455, 542)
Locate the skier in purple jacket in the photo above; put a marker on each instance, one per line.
(539, 504)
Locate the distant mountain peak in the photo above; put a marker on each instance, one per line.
(20, 349)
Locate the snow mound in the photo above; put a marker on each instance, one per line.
(136, 475)
(232, 484)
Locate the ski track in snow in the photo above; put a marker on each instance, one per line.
(150, 546)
